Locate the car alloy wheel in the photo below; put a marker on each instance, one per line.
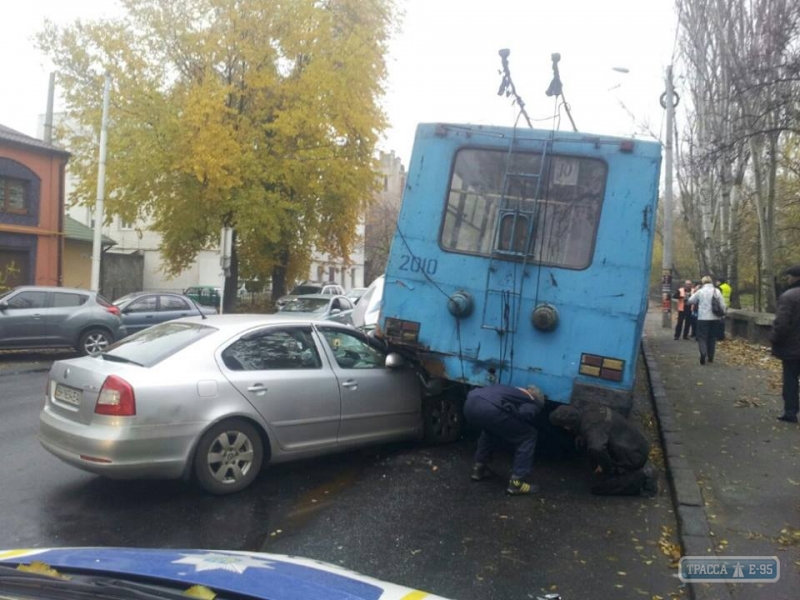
(94, 341)
(228, 457)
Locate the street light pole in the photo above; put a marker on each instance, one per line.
(666, 262)
(97, 247)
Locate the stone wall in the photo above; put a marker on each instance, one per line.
(749, 325)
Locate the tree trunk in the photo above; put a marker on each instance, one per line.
(279, 276)
(230, 293)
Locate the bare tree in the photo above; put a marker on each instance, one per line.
(742, 59)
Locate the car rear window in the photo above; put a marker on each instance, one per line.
(63, 300)
(150, 346)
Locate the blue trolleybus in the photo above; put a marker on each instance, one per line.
(523, 257)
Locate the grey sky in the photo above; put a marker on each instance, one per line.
(444, 65)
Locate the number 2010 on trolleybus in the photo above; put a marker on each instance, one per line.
(523, 257)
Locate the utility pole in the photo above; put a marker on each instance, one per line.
(97, 247)
(668, 102)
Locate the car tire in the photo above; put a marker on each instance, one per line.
(442, 418)
(94, 341)
(228, 457)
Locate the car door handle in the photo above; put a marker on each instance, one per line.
(257, 387)
(351, 384)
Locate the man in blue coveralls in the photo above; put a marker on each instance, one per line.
(505, 414)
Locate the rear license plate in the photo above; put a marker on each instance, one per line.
(68, 395)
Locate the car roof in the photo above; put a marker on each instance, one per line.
(49, 288)
(241, 322)
(314, 296)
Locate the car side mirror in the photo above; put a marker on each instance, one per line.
(3, 305)
(395, 361)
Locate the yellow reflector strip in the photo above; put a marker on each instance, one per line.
(415, 595)
(41, 568)
(15, 553)
(613, 363)
(201, 592)
(588, 370)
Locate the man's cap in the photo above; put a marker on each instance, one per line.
(794, 271)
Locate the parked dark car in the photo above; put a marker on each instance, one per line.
(140, 310)
(56, 317)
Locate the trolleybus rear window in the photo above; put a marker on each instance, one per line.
(498, 204)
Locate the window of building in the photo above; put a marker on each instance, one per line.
(13, 198)
(63, 300)
(265, 350)
(385, 183)
(125, 225)
(331, 273)
(497, 204)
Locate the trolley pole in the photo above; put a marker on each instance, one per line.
(666, 263)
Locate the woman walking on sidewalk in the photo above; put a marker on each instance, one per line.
(706, 319)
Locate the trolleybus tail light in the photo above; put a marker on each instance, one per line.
(602, 367)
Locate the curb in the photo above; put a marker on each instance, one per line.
(694, 531)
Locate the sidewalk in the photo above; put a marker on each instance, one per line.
(735, 469)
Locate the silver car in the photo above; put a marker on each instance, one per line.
(57, 317)
(219, 397)
(319, 306)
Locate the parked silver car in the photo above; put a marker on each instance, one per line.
(219, 397)
(318, 306)
(311, 287)
(57, 317)
(141, 310)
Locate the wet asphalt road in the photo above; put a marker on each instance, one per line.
(403, 513)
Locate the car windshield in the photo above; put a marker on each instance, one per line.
(307, 305)
(151, 346)
(302, 290)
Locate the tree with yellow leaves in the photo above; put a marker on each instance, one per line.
(261, 115)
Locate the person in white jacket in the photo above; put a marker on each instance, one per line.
(707, 321)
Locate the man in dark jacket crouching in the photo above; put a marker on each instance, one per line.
(505, 414)
(617, 450)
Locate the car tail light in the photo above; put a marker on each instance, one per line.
(116, 398)
(113, 310)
